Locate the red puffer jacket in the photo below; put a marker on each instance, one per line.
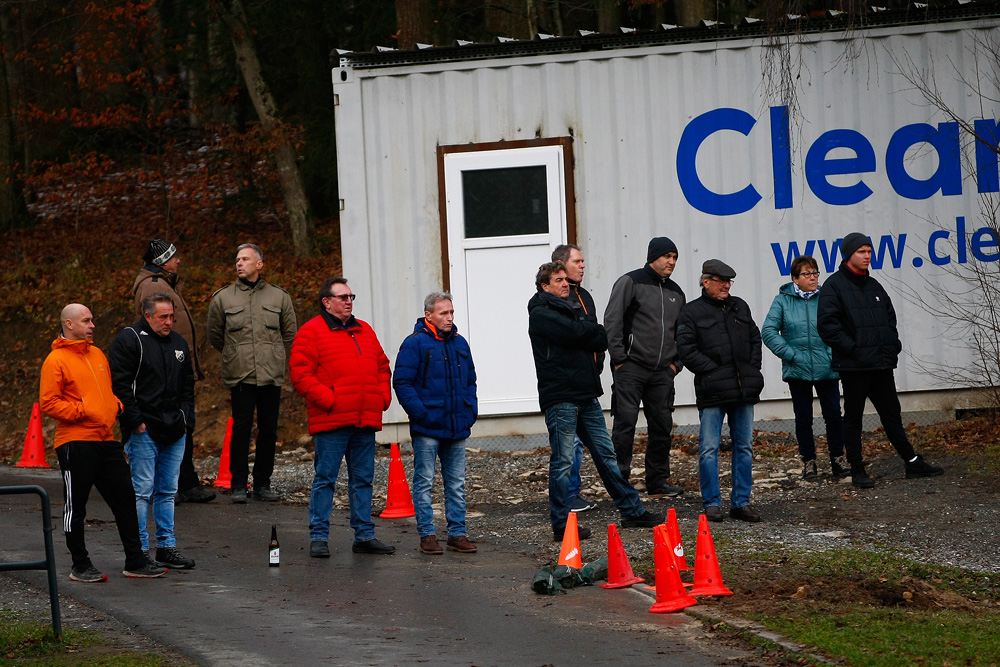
(342, 373)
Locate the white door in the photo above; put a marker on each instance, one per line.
(506, 212)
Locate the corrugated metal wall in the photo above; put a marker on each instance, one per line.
(626, 111)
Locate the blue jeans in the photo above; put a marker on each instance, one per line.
(585, 419)
(741, 432)
(575, 483)
(357, 445)
(155, 469)
(452, 454)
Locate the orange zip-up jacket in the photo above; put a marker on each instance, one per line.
(75, 390)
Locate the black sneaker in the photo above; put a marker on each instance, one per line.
(645, 520)
(87, 575)
(265, 493)
(809, 469)
(663, 490)
(558, 534)
(148, 570)
(745, 513)
(240, 496)
(918, 467)
(196, 494)
(860, 478)
(714, 513)
(319, 549)
(171, 556)
(581, 504)
(373, 546)
(839, 467)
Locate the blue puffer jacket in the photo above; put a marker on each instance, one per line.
(790, 332)
(435, 382)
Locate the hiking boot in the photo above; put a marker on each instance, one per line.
(581, 504)
(240, 496)
(373, 546)
(87, 575)
(714, 513)
(860, 478)
(429, 545)
(319, 549)
(461, 544)
(809, 469)
(265, 493)
(645, 520)
(839, 467)
(918, 467)
(196, 494)
(559, 533)
(745, 513)
(171, 557)
(148, 570)
(663, 490)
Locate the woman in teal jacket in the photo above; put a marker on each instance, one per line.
(790, 332)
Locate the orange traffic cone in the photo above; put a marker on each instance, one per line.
(224, 478)
(670, 593)
(707, 575)
(399, 503)
(674, 533)
(33, 455)
(620, 572)
(570, 552)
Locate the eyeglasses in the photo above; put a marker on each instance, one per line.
(716, 279)
(808, 274)
(342, 297)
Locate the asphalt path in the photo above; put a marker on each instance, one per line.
(349, 609)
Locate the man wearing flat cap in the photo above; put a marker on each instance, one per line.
(719, 342)
(159, 273)
(856, 319)
(641, 321)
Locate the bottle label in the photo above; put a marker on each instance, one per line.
(273, 553)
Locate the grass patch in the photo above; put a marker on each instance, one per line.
(30, 642)
(896, 637)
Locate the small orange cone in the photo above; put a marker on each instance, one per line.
(670, 593)
(620, 572)
(33, 455)
(224, 478)
(707, 575)
(674, 533)
(570, 553)
(399, 503)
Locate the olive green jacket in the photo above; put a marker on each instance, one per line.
(254, 329)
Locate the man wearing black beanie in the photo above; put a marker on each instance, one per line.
(857, 320)
(641, 321)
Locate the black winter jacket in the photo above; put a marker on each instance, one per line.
(579, 294)
(857, 320)
(152, 376)
(719, 342)
(564, 341)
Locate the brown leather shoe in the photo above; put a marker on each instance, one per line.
(429, 545)
(462, 545)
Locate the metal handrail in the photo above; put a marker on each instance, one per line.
(50, 557)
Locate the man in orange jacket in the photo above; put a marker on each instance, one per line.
(76, 392)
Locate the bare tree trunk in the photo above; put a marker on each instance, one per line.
(690, 12)
(608, 16)
(414, 22)
(300, 218)
(13, 212)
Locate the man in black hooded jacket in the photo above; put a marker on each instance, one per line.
(856, 319)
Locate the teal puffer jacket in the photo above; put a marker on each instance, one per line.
(790, 332)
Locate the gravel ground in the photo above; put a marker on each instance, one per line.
(953, 519)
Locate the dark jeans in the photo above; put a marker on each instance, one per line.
(828, 392)
(188, 479)
(85, 465)
(880, 388)
(634, 383)
(266, 400)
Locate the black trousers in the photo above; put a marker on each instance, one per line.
(188, 478)
(246, 398)
(102, 464)
(828, 392)
(880, 388)
(634, 383)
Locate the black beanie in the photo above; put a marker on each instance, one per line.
(658, 247)
(159, 252)
(852, 242)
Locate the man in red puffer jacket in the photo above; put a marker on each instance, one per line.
(338, 366)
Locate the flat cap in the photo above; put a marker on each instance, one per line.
(716, 267)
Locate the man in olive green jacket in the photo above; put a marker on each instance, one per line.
(252, 323)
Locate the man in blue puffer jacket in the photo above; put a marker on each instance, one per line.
(435, 381)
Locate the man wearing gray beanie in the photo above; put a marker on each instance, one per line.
(641, 321)
(857, 320)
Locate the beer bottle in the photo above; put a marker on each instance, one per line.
(272, 548)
